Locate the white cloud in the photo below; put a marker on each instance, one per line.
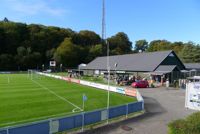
(35, 7)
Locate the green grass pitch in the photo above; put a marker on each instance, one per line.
(24, 100)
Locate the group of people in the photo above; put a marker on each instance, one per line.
(127, 80)
(123, 79)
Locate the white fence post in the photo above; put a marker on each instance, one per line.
(83, 122)
(7, 130)
(126, 111)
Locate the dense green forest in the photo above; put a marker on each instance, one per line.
(25, 46)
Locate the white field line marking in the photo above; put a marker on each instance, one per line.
(76, 110)
(39, 118)
(17, 90)
(62, 98)
(16, 84)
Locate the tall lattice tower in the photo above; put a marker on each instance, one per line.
(103, 34)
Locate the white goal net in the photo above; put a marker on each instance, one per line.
(32, 74)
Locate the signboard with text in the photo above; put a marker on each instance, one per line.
(192, 99)
(52, 63)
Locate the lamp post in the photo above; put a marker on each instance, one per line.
(116, 64)
(61, 67)
(42, 67)
(108, 66)
(108, 70)
(79, 72)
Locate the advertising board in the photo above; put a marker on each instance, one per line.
(192, 99)
(75, 81)
(52, 63)
(121, 90)
(131, 92)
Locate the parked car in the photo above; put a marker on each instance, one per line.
(140, 84)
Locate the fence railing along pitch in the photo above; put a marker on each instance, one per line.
(81, 119)
(75, 121)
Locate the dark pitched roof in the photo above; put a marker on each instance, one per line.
(165, 68)
(130, 62)
(192, 65)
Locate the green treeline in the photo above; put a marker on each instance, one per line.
(25, 46)
(188, 52)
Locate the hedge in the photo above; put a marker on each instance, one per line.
(190, 125)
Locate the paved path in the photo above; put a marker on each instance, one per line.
(162, 106)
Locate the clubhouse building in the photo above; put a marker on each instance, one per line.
(162, 63)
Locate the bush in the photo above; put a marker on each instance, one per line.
(152, 85)
(177, 127)
(194, 123)
(190, 125)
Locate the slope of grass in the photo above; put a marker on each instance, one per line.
(25, 100)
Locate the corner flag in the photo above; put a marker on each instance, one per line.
(84, 97)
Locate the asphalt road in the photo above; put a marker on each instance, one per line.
(162, 106)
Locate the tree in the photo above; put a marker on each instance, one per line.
(177, 47)
(14, 36)
(50, 53)
(120, 44)
(94, 52)
(67, 54)
(159, 45)
(86, 38)
(141, 45)
(5, 20)
(190, 53)
(25, 58)
(2, 44)
(33, 60)
(6, 62)
(29, 46)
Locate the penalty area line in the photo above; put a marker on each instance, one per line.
(60, 97)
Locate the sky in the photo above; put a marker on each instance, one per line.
(172, 20)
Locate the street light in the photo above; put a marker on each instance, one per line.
(108, 69)
(60, 67)
(116, 64)
(42, 67)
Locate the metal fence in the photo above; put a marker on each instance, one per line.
(184, 75)
(179, 79)
(76, 121)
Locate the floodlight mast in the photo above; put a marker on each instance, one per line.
(103, 32)
(108, 69)
(108, 51)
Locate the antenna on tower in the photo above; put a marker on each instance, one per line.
(103, 34)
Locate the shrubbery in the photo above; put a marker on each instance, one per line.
(190, 125)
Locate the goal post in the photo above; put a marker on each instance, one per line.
(29, 74)
(32, 74)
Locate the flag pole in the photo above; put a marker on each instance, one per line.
(84, 98)
(8, 79)
(83, 102)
